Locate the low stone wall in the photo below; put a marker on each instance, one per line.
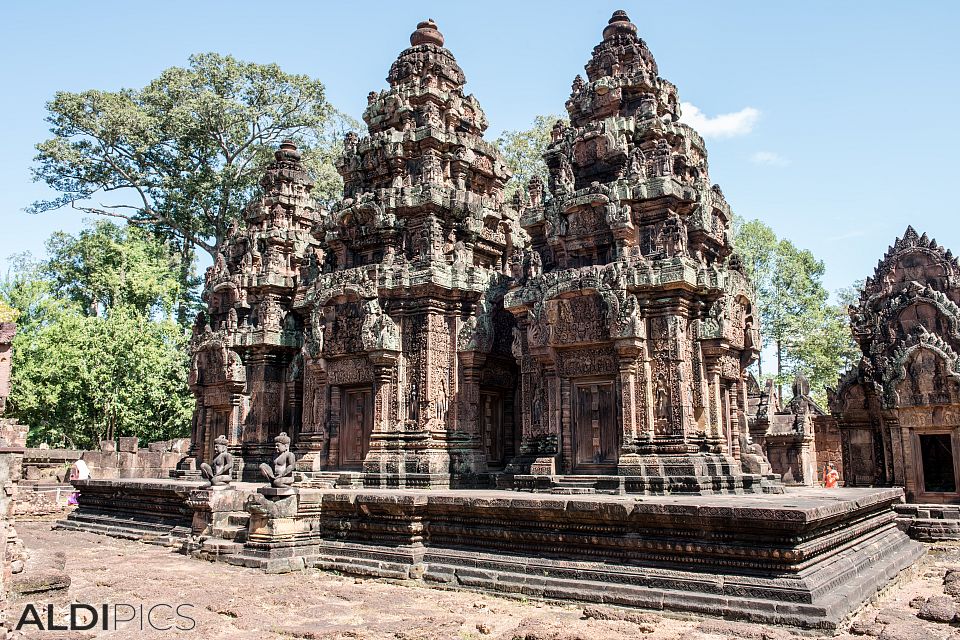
(48, 465)
(929, 522)
(147, 509)
(41, 500)
(126, 459)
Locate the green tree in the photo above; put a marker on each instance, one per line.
(805, 332)
(83, 378)
(823, 348)
(183, 155)
(523, 152)
(92, 358)
(108, 265)
(8, 313)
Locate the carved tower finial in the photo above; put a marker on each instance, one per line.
(426, 33)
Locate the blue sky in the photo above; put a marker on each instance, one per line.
(833, 122)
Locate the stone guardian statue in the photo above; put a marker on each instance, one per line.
(281, 474)
(219, 472)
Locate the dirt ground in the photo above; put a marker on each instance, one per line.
(227, 602)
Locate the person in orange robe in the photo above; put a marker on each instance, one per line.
(830, 476)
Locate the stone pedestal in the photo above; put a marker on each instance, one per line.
(219, 521)
(282, 530)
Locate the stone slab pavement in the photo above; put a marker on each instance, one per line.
(228, 602)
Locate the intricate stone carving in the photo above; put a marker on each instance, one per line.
(908, 381)
(634, 328)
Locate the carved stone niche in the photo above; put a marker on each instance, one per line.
(577, 319)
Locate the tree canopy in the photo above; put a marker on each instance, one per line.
(95, 354)
(107, 265)
(806, 333)
(523, 151)
(182, 156)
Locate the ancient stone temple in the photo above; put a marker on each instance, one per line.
(375, 335)
(247, 364)
(898, 410)
(585, 341)
(634, 317)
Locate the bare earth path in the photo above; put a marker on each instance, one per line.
(235, 603)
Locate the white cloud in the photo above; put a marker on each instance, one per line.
(769, 158)
(725, 125)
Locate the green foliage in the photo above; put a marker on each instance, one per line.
(83, 378)
(523, 152)
(91, 359)
(107, 265)
(8, 313)
(183, 155)
(807, 334)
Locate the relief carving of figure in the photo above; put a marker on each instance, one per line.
(413, 403)
(516, 347)
(235, 369)
(638, 164)
(535, 189)
(565, 177)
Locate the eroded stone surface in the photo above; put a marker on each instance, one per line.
(313, 604)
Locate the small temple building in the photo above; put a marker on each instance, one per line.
(898, 410)
(374, 333)
(635, 320)
(794, 435)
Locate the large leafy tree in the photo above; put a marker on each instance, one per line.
(96, 356)
(523, 151)
(183, 155)
(799, 325)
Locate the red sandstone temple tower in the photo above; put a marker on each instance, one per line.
(409, 376)
(898, 410)
(247, 367)
(635, 320)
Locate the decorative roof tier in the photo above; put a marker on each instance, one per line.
(626, 149)
(423, 178)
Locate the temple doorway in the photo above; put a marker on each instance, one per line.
(356, 425)
(596, 441)
(497, 427)
(936, 456)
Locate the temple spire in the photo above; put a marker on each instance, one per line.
(619, 23)
(426, 33)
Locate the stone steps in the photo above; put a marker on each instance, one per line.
(232, 533)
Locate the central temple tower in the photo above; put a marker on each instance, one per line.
(409, 375)
(635, 319)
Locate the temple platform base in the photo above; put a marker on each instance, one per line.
(806, 557)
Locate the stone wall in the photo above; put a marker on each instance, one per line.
(829, 446)
(125, 459)
(13, 437)
(48, 466)
(37, 503)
